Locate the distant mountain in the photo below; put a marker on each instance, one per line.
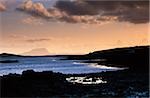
(9, 55)
(36, 52)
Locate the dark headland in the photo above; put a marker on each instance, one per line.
(131, 82)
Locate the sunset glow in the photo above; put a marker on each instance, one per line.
(21, 32)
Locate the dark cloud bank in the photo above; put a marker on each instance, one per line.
(92, 12)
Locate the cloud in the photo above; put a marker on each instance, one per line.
(130, 11)
(28, 39)
(32, 21)
(2, 7)
(90, 12)
(37, 40)
(37, 9)
(34, 8)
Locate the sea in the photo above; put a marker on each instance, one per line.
(55, 64)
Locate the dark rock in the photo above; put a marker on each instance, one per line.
(9, 61)
(48, 84)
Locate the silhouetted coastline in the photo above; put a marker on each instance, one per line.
(48, 84)
(136, 58)
(131, 82)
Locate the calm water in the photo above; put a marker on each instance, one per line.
(51, 64)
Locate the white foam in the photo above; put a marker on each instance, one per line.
(85, 80)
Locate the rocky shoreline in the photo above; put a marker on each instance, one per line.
(48, 84)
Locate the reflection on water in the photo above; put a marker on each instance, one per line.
(85, 80)
(51, 64)
(104, 67)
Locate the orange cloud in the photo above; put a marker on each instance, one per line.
(36, 8)
(2, 7)
(37, 40)
(32, 21)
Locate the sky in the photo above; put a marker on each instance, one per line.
(72, 26)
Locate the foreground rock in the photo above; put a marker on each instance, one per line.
(48, 84)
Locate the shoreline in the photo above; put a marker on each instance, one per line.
(123, 83)
(131, 82)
